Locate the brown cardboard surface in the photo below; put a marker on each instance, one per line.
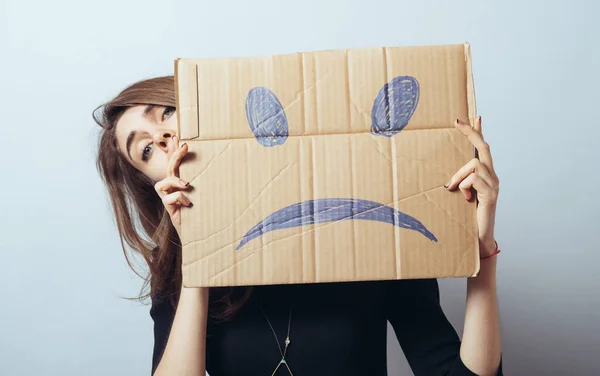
(373, 206)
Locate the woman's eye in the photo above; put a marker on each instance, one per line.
(146, 152)
(168, 111)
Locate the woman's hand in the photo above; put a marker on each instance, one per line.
(479, 175)
(171, 188)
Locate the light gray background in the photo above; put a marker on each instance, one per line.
(61, 269)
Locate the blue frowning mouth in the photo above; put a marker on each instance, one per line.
(331, 210)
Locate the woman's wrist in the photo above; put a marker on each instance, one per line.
(487, 247)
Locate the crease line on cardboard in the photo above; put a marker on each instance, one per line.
(315, 107)
(394, 167)
(318, 79)
(351, 154)
(379, 149)
(227, 147)
(304, 90)
(352, 190)
(313, 236)
(247, 208)
(359, 111)
(407, 129)
(316, 99)
(447, 213)
(348, 91)
(459, 149)
(313, 256)
(397, 250)
(302, 245)
(236, 263)
(315, 226)
(249, 194)
(300, 94)
(460, 264)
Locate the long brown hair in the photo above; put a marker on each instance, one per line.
(143, 223)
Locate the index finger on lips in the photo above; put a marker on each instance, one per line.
(476, 138)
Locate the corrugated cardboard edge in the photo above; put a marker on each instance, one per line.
(187, 113)
(472, 111)
(177, 100)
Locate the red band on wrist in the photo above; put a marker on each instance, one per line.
(493, 253)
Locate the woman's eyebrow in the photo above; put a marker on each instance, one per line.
(130, 138)
(147, 110)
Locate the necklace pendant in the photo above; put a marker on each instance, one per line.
(283, 361)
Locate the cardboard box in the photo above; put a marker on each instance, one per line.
(326, 166)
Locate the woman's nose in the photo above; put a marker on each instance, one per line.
(163, 138)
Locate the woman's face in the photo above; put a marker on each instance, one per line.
(144, 137)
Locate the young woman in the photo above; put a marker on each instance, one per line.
(308, 329)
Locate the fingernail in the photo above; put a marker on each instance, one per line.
(184, 144)
(447, 184)
(184, 183)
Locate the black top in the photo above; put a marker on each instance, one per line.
(336, 329)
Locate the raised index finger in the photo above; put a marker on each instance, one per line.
(476, 138)
(176, 157)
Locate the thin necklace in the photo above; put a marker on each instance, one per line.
(287, 341)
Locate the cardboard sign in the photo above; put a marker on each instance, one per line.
(326, 166)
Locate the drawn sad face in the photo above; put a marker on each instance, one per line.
(392, 109)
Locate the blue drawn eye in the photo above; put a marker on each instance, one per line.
(266, 117)
(394, 106)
